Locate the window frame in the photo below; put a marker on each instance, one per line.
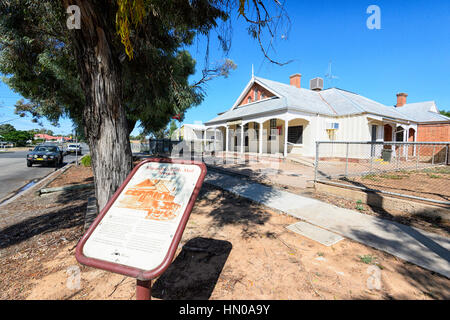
(272, 127)
(299, 137)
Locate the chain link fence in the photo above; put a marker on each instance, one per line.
(417, 170)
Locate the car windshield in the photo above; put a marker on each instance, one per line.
(46, 149)
(73, 146)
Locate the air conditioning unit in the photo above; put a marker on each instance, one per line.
(332, 126)
(316, 84)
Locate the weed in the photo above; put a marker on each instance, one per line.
(392, 176)
(367, 259)
(370, 177)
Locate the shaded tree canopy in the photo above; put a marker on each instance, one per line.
(38, 59)
(127, 62)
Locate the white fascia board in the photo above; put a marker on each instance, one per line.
(249, 85)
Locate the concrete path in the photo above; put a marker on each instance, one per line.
(424, 249)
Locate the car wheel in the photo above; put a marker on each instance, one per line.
(29, 163)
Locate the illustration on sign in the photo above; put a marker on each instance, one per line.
(153, 196)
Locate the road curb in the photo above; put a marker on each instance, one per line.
(66, 188)
(63, 169)
(59, 172)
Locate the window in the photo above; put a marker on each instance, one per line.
(262, 95)
(249, 99)
(295, 135)
(255, 94)
(273, 129)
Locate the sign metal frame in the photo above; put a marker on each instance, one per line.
(143, 276)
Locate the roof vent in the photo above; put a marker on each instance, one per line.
(316, 84)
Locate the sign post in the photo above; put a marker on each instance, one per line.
(138, 231)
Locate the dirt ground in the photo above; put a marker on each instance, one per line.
(430, 183)
(74, 175)
(435, 225)
(231, 249)
(283, 174)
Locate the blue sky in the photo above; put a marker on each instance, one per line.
(411, 53)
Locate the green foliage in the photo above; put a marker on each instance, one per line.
(393, 176)
(86, 160)
(19, 137)
(172, 128)
(440, 170)
(370, 177)
(446, 113)
(6, 128)
(367, 259)
(38, 61)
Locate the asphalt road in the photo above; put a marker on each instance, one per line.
(14, 173)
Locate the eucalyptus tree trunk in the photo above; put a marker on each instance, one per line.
(106, 128)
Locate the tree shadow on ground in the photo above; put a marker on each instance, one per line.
(70, 214)
(435, 287)
(403, 247)
(194, 273)
(52, 221)
(230, 209)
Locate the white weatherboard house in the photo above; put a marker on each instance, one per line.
(270, 117)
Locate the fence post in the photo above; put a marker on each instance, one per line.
(317, 161)
(346, 160)
(417, 156)
(432, 159)
(398, 156)
(372, 153)
(446, 155)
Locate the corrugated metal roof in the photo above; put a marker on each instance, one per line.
(255, 108)
(330, 102)
(422, 112)
(299, 99)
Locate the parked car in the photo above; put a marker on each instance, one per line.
(74, 148)
(46, 154)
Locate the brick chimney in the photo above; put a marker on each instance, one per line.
(295, 80)
(401, 99)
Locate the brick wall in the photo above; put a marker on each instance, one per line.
(433, 132)
(260, 89)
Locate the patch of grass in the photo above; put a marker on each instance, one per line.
(392, 176)
(433, 176)
(440, 170)
(367, 259)
(320, 254)
(359, 202)
(370, 177)
(359, 207)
